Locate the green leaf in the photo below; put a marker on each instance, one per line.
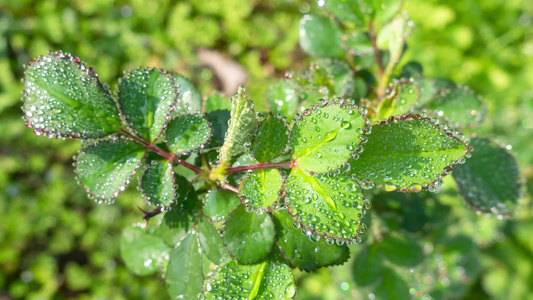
(326, 205)
(249, 236)
(186, 133)
(402, 99)
(242, 125)
(157, 184)
(218, 204)
(407, 153)
(282, 97)
(270, 279)
(261, 188)
(348, 12)
(402, 250)
(216, 102)
(412, 69)
(189, 95)
(64, 98)
(184, 277)
(331, 77)
(368, 265)
(181, 217)
(489, 180)
(320, 36)
(211, 242)
(270, 139)
(143, 252)
(326, 137)
(459, 106)
(219, 122)
(358, 44)
(300, 251)
(106, 167)
(430, 88)
(147, 97)
(392, 287)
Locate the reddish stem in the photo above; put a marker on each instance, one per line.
(230, 188)
(259, 166)
(372, 34)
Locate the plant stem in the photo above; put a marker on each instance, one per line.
(230, 187)
(169, 156)
(372, 33)
(259, 166)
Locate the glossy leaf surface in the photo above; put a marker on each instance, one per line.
(64, 98)
(320, 36)
(184, 276)
(282, 97)
(300, 251)
(408, 153)
(249, 236)
(242, 125)
(218, 204)
(270, 139)
(261, 188)
(403, 98)
(489, 180)
(331, 77)
(326, 137)
(186, 133)
(143, 252)
(211, 242)
(459, 106)
(189, 96)
(328, 205)
(157, 184)
(270, 279)
(147, 97)
(105, 168)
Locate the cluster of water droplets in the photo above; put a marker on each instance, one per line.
(63, 98)
(261, 190)
(333, 206)
(186, 133)
(147, 99)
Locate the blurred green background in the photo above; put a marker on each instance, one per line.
(57, 244)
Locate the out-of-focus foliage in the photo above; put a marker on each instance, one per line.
(57, 244)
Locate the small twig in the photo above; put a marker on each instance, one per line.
(259, 166)
(230, 188)
(371, 31)
(147, 215)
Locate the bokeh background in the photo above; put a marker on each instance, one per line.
(55, 243)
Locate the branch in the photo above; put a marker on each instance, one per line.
(230, 188)
(259, 166)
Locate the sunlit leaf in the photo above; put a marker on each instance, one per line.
(211, 242)
(331, 77)
(489, 180)
(301, 251)
(64, 98)
(147, 97)
(242, 125)
(189, 96)
(216, 102)
(326, 137)
(349, 12)
(327, 205)
(249, 236)
(261, 188)
(270, 139)
(320, 36)
(184, 278)
(282, 97)
(407, 153)
(143, 252)
(186, 133)
(157, 184)
(270, 279)
(402, 99)
(459, 106)
(218, 204)
(106, 167)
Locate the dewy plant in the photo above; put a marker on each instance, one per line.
(241, 198)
